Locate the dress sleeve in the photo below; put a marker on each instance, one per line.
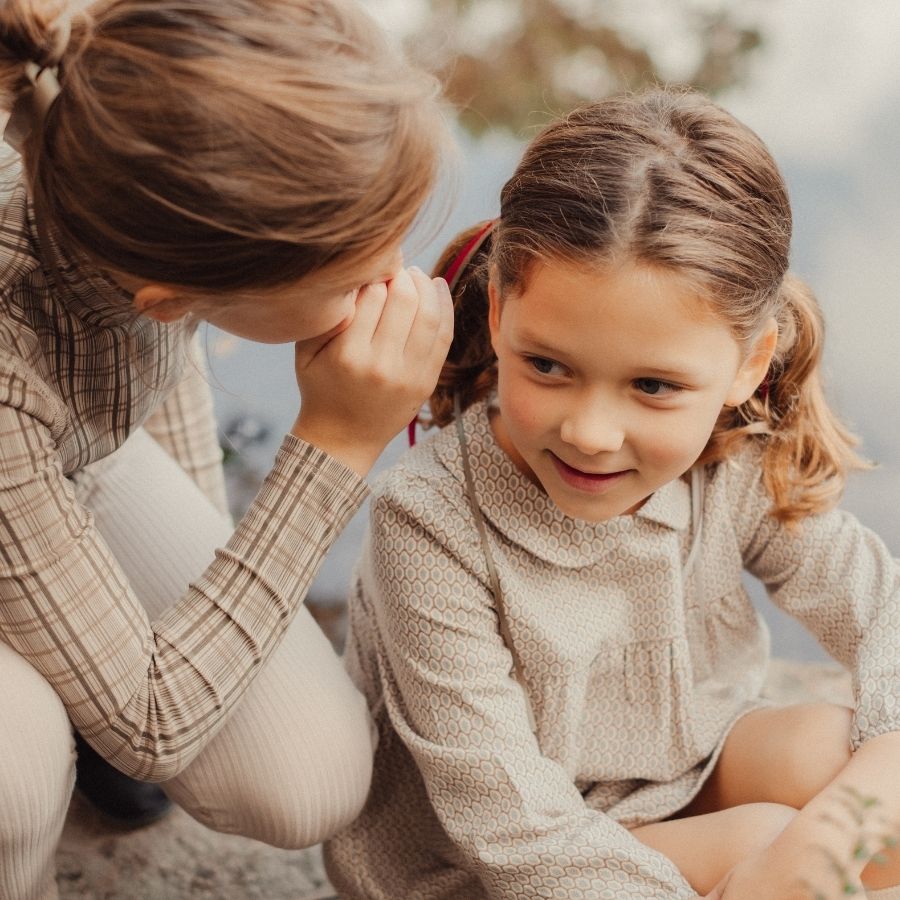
(185, 427)
(837, 578)
(149, 697)
(514, 813)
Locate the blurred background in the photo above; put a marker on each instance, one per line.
(819, 81)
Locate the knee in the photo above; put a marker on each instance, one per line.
(820, 749)
(324, 789)
(297, 790)
(756, 825)
(37, 755)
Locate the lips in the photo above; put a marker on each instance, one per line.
(590, 482)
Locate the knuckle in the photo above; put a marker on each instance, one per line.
(376, 290)
(402, 287)
(380, 377)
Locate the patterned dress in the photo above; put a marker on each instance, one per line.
(635, 666)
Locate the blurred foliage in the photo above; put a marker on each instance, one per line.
(517, 63)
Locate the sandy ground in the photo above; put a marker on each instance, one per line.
(178, 858)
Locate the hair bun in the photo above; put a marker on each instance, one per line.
(34, 31)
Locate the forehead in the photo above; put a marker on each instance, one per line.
(562, 288)
(631, 307)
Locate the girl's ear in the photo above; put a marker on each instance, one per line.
(493, 312)
(163, 302)
(754, 368)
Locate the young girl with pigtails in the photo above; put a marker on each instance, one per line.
(254, 164)
(548, 619)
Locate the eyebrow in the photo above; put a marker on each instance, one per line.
(536, 345)
(670, 374)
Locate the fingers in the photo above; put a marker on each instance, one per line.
(404, 299)
(370, 303)
(365, 383)
(417, 312)
(432, 329)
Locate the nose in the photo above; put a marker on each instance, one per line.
(593, 428)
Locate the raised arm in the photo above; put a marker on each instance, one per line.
(149, 696)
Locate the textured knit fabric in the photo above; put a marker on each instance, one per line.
(184, 427)
(79, 373)
(294, 759)
(634, 670)
(37, 771)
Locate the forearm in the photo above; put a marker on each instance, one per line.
(851, 820)
(149, 696)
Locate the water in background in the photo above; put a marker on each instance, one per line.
(825, 96)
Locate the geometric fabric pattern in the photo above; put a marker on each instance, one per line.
(635, 670)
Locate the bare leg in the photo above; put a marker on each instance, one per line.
(706, 847)
(786, 756)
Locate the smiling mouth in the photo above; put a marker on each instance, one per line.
(592, 482)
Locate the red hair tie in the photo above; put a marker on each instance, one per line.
(464, 257)
(452, 274)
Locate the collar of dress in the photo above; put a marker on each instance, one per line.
(525, 514)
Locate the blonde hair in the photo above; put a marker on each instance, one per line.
(222, 144)
(669, 179)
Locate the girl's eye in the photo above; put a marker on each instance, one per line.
(655, 388)
(544, 366)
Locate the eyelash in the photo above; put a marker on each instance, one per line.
(667, 387)
(534, 360)
(664, 388)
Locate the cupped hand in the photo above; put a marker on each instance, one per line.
(366, 380)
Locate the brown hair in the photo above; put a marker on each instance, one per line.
(222, 144)
(669, 179)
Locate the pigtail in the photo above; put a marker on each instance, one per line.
(808, 451)
(470, 368)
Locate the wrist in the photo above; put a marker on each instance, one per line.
(355, 454)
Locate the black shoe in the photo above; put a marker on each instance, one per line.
(131, 803)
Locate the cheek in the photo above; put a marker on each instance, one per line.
(329, 315)
(678, 444)
(524, 410)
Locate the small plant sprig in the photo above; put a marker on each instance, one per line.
(874, 836)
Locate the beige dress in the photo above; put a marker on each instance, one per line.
(635, 669)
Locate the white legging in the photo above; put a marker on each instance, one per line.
(294, 760)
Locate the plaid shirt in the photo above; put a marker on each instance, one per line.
(79, 372)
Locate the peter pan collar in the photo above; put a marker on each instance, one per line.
(523, 512)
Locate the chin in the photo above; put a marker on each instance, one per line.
(584, 512)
